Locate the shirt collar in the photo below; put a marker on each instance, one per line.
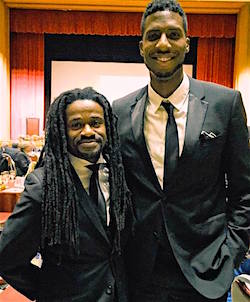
(79, 163)
(177, 98)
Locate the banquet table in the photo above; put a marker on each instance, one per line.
(9, 197)
(11, 295)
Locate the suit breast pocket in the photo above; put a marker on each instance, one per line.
(212, 147)
(209, 153)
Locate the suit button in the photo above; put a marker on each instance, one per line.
(109, 290)
(156, 235)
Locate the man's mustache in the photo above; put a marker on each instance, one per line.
(89, 139)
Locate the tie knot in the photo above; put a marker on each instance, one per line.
(168, 107)
(94, 168)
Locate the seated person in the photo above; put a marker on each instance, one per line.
(29, 149)
(3, 162)
(20, 159)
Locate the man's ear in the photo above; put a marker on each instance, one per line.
(141, 48)
(187, 45)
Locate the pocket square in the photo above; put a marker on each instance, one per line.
(205, 135)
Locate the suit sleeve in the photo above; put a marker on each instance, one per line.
(20, 239)
(22, 163)
(238, 175)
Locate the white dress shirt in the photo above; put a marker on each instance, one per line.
(84, 173)
(156, 119)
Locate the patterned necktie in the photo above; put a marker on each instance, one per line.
(95, 192)
(171, 145)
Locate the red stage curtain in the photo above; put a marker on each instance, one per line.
(112, 23)
(215, 60)
(27, 80)
(75, 22)
(212, 26)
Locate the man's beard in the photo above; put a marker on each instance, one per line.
(164, 76)
(92, 157)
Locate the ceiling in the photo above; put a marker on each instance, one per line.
(194, 6)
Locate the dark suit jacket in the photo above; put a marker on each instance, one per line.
(93, 276)
(206, 225)
(21, 160)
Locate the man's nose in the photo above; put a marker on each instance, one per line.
(87, 130)
(163, 43)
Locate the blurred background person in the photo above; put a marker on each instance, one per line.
(20, 158)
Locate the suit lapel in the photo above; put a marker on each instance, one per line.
(197, 108)
(87, 205)
(137, 117)
(137, 121)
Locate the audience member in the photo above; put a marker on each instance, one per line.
(20, 159)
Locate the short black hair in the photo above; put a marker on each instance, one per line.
(162, 5)
(15, 145)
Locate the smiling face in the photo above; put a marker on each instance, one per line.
(86, 131)
(164, 44)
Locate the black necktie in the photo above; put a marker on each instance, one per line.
(171, 145)
(95, 192)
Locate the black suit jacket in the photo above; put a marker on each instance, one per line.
(206, 225)
(94, 276)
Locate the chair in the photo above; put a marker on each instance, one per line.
(241, 288)
(32, 125)
(31, 167)
(11, 163)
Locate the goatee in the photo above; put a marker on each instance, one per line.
(164, 76)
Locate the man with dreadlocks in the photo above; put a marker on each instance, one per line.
(81, 240)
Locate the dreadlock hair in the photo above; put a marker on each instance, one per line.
(59, 206)
(162, 5)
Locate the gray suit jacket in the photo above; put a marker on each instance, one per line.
(205, 223)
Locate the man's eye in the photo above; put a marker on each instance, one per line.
(153, 36)
(174, 35)
(96, 123)
(76, 125)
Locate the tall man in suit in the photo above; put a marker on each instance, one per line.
(180, 137)
(75, 221)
